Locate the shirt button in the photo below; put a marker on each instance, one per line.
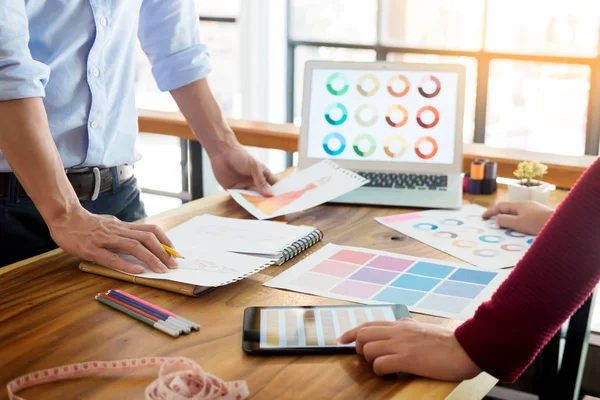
(96, 72)
(94, 124)
(103, 21)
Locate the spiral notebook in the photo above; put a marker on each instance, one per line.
(219, 251)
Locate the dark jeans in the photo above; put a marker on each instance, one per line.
(23, 232)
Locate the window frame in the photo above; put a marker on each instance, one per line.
(483, 58)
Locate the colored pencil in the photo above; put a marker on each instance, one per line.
(156, 325)
(149, 310)
(195, 325)
(171, 251)
(144, 313)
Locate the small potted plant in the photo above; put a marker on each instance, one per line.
(529, 185)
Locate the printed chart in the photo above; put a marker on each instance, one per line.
(376, 277)
(464, 234)
(298, 327)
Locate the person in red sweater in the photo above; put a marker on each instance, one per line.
(552, 280)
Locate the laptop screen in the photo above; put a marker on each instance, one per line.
(383, 115)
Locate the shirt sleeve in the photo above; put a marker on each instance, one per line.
(556, 275)
(170, 36)
(20, 75)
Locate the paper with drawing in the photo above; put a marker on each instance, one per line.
(305, 189)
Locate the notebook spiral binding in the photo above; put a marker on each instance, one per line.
(239, 278)
(301, 244)
(345, 171)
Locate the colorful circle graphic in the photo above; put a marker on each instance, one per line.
(492, 224)
(390, 153)
(452, 221)
(361, 82)
(487, 253)
(433, 151)
(491, 238)
(394, 79)
(512, 247)
(436, 81)
(436, 117)
(464, 244)
(360, 138)
(330, 108)
(388, 116)
(515, 234)
(425, 226)
(344, 88)
(327, 139)
(445, 235)
(358, 115)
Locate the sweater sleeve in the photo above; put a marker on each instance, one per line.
(552, 280)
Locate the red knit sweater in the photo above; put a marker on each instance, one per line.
(556, 275)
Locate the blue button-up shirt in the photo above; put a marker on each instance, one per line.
(79, 55)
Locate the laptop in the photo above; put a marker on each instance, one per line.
(397, 124)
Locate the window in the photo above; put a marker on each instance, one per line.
(531, 66)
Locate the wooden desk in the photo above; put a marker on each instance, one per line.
(48, 317)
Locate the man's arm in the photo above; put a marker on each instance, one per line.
(27, 145)
(170, 37)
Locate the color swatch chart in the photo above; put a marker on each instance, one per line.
(404, 116)
(300, 327)
(464, 234)
(376, 277)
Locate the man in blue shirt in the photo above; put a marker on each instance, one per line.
(68, 124)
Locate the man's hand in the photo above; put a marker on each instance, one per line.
(235, 168)
(523, 216)
(99, 238)
(407, 346)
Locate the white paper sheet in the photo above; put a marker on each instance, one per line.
(305, 189)
(368, 276)
(238, 235)
(463, 234)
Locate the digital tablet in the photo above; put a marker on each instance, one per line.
(309, 329)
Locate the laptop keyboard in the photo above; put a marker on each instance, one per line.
(405, 181)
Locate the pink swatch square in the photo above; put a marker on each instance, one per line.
(391, 263)
(356, 289)
(354, 257)
(335, 268)
(309, 281)
(400, 218)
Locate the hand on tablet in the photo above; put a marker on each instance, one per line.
(407, 346)
(523, 216)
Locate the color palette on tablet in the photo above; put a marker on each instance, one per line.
(318, 327)
(374, 277)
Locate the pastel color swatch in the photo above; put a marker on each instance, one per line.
(399, 296)
(459, 289)
(350, 256)
(316, 281)
(415, 282)
(468, 275)
(431, 269)
(390, 263)
(356, 289)
(445, 303)
(334, 268)
(373, 276)
(401, 218)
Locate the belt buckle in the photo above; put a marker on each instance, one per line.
(97, 182)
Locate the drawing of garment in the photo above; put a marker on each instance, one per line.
(269, 205)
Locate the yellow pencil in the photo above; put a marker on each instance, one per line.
(171, 251)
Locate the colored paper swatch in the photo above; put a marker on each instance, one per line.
(373, 277)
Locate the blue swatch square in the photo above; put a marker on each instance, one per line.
(468, 275)
(399, 296)
(415, 282)
(459, 289)
(431, 269)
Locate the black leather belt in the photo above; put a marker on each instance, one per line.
(87, 182)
